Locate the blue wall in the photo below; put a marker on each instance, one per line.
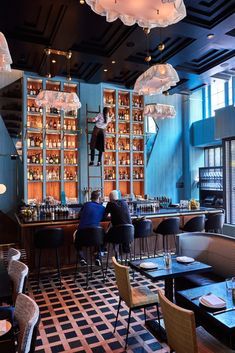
(10, 172)
(165, 166)
(193, 157)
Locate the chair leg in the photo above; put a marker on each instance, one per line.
(147, 246)
(119, 304)
(91, 261)
(102, 269)
(140, 244)
(58, 265)
(134, 248)
(107, 260)
(158, 316)
(145, 315)
(39, 266)
(87, 269)
(76, 268)
(155, 247)
(128, 325)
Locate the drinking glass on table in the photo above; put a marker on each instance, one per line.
(230, 284)
(167, 260)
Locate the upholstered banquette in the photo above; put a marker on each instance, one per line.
(214, 249)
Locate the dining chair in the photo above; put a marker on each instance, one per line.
(18, 273)
(13, 254)
(134, 297)
(182, 336)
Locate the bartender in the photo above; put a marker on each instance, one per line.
(98, 134)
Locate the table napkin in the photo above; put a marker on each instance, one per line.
(3, 325)
(213, 300)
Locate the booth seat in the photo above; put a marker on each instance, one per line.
(213, 249)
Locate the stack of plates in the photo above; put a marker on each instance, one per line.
(148, 265)
(212, 301)
(185, 259)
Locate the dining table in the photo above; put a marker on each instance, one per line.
(160, 272)
(219, 322)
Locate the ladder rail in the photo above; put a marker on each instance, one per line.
(90, 177)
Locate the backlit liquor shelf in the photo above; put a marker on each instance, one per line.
(124, 156)
(51, 145)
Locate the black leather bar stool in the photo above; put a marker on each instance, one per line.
(195, 224)
(214, 223)
(49, 238)
(167, 227)
(143, 230)
(90, 238)
(122, 235)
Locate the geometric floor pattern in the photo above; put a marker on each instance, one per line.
(76, 319)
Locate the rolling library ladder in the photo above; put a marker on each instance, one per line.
(94, 173)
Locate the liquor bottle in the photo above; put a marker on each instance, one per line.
(55, 125)
(50, 143)
(58, 144)
(32, 142)
(54, 144)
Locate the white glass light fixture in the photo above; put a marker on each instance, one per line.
(3, 189)
(5, 56)
(146, 13)
(66, 101)
(159, 111)
(157, 79)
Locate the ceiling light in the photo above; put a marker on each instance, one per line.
(210, 35)
(105, 70)
(156, 79)
(146, 13)
(159, 111)
(66, 101)
(53, 61)
(113, 62)
(82, 2)
(5, 56)
(3, 188)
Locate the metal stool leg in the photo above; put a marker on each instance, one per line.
(58, 265)
(39, 266)
(147, 246)
(76, 269)
(87, 269)
(107, 260)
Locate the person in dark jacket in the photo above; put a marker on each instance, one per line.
(91, 215)
(120, 214)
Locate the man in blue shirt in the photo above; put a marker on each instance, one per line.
(91, 215)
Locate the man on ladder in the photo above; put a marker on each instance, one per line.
(98, 134)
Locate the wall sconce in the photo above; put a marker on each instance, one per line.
(3, 189)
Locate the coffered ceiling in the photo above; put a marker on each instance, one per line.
(30, 26)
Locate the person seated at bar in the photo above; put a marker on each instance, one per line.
(120, 214)
(90, 215)
(98, 135)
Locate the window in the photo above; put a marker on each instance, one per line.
(151, 125)
(206, 103)
(229, 175)
(217, 95)
(230, 91)
(213, 157)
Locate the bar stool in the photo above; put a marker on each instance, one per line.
(214, 223)
(143, 230)
(122, 235)
(90, 238)
(49, 238)
(169, 226)
(195, 224)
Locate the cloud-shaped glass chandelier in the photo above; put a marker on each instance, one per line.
(157, 79)
(5, 56)
(66, 101)
(159, 111)
(146, 13)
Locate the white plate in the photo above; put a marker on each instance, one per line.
(148, 265)
(223, 305)
(185, 259)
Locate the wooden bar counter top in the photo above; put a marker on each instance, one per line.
(70, 223)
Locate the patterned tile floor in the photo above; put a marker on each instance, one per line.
(76, 319)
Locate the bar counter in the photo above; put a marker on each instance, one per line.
(70, 223)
